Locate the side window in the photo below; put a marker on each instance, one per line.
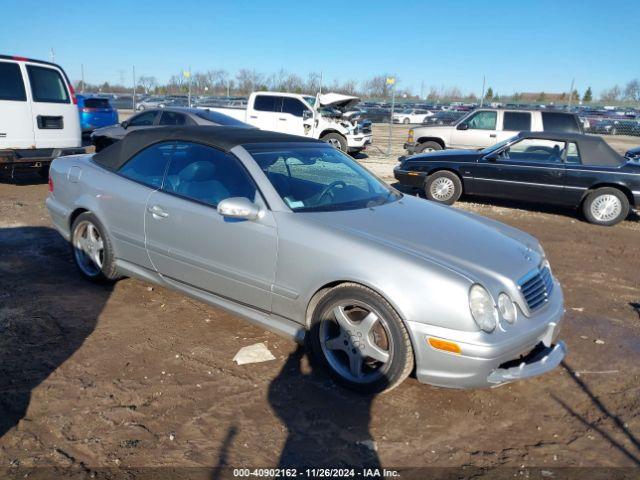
(172, 118)
(47, 85)
(207, 175)
(483, 121)
(573, 154)
(516, 121)
(143, 120)
(11, 84)
(149, 165)
(536, 150)
(293, 106)
(559, 122)
(268, 103)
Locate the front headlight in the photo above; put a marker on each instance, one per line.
(507, 308)
(482, 308)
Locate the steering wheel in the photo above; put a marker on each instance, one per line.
(329, 187)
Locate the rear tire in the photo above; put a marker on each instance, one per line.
(335, 140)
(606, 206)
(426, 147)
(92, 249)
(443, 187)
(353, 329)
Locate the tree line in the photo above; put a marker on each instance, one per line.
(219, 82)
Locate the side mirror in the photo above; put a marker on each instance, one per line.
(239, 207)
(307, 114)
(124, 124)
(492, 157)
(462, 126)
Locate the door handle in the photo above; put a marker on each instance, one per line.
(157, 212)
(492, 135)
(253, 116)
(283, 119)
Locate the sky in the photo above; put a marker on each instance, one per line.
(520, 46)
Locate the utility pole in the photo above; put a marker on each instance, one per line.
(320, 92)
(484, 79)
(228, 88)
(189, 100)
(573, 80)
(53, 56)
(133, 107)
(391, 81)
(422, 90)
(82, 78)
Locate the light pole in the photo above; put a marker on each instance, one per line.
(391, 81)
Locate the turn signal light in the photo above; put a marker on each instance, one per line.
(50, 185)
(445, 345)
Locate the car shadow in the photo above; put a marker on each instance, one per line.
(621, 427)
(46, 312)
(515, 204)
(327, 425)
(23, 177)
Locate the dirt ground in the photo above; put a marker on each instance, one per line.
(139, 376)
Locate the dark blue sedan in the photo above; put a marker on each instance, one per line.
(95, 112)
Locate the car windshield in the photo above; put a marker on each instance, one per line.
(220, 118)
(498, 145)
(320, 178)
(310, 100)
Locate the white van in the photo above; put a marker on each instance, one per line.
(39, 117)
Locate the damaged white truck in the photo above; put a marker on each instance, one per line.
(318, 117)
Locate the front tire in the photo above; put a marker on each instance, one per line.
(443, 187)
(335, 140)
(406, 121)
(606, 206)
(426, 147)
(360, 339)
(92, 249)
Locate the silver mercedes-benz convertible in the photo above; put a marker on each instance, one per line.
(298, 238)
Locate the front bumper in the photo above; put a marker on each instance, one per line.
(359, 141)
(485, 362)
(409, 178)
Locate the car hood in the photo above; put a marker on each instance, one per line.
(446, 155)
(337, 100)
(476, 247)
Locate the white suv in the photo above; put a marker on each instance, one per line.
(39, 117)
(485, 127)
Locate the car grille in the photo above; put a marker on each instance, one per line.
(536, 287)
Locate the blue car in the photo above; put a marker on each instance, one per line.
(95, 112)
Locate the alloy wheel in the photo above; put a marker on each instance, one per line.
(442, 189)
(356, 341)
(606, 208)
(88, 248)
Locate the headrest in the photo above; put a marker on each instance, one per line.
(198, 172)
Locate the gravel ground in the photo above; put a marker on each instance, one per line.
(139, 376)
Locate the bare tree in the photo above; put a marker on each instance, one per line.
(632, 91)
(147, 83)
(612, 94)
(249, 80)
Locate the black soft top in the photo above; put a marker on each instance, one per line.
(594, 150)
(221, 137)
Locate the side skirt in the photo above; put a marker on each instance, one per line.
(274, 323)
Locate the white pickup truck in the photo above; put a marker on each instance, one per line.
(305, 115)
